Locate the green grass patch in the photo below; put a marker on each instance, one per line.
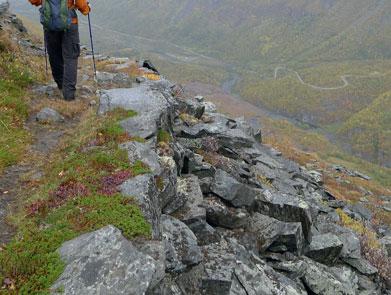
(31, 261)
(164, 136)
(79, 196)
(15, 77)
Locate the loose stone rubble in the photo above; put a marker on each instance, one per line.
(229, 215)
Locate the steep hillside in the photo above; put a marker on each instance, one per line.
(137, 187)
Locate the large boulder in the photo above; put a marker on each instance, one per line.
(322, 280)
(182, 249)
(272, 232)
(153, 109)
(104, 262)
(351, 243)
(143, 189)
(232, 191)
(286, 208)
(325, 248)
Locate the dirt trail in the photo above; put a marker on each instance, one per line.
(18, 181)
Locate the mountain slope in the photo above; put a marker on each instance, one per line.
(263, 31)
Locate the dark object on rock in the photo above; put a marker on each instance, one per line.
(148, 65)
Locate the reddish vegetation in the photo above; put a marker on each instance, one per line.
(377, 257)
(67, 190)
(110, 183)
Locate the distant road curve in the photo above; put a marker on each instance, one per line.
(344, 78)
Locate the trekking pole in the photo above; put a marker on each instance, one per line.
(46, 54)
(92, 44)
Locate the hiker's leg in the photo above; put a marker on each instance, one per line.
(54, 47)
(71, 53)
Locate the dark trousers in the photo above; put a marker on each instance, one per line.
(64, 50)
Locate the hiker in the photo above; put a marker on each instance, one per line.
(59, 19)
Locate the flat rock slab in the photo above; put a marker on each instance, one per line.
(143, 189)
(140, 99)
(182, 249)
(325, 248)
(104, 262)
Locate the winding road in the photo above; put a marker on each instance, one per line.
(344, 78)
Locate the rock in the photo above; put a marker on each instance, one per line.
(157, 251)
(285, 208)
(138, 151)
(86, 90)
(262, 279)
(320, 280)
(197, 166)
(209, 107)
(362, 265)
(251, 127)
(219, 263)
(325, 248)
(143, 189)
(191, 212)
(199, 98)
(192, 107)
(205, 233)
(181, 245)
(104, 262)
(362, 211)
(218, 214)
(387, 207)
(386, 242)
(272, 232)
(119, 79)
(141, 99)
(46, 90)
(235, 138)
(48, 115)
(167, 181)
(234, 192)
(152, 107)
(351, 243)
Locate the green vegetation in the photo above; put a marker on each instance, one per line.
(369, 131)
(15, 77)
(79, 195)
(164, 136)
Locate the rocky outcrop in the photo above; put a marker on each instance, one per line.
(228, 214)
(104, 262)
